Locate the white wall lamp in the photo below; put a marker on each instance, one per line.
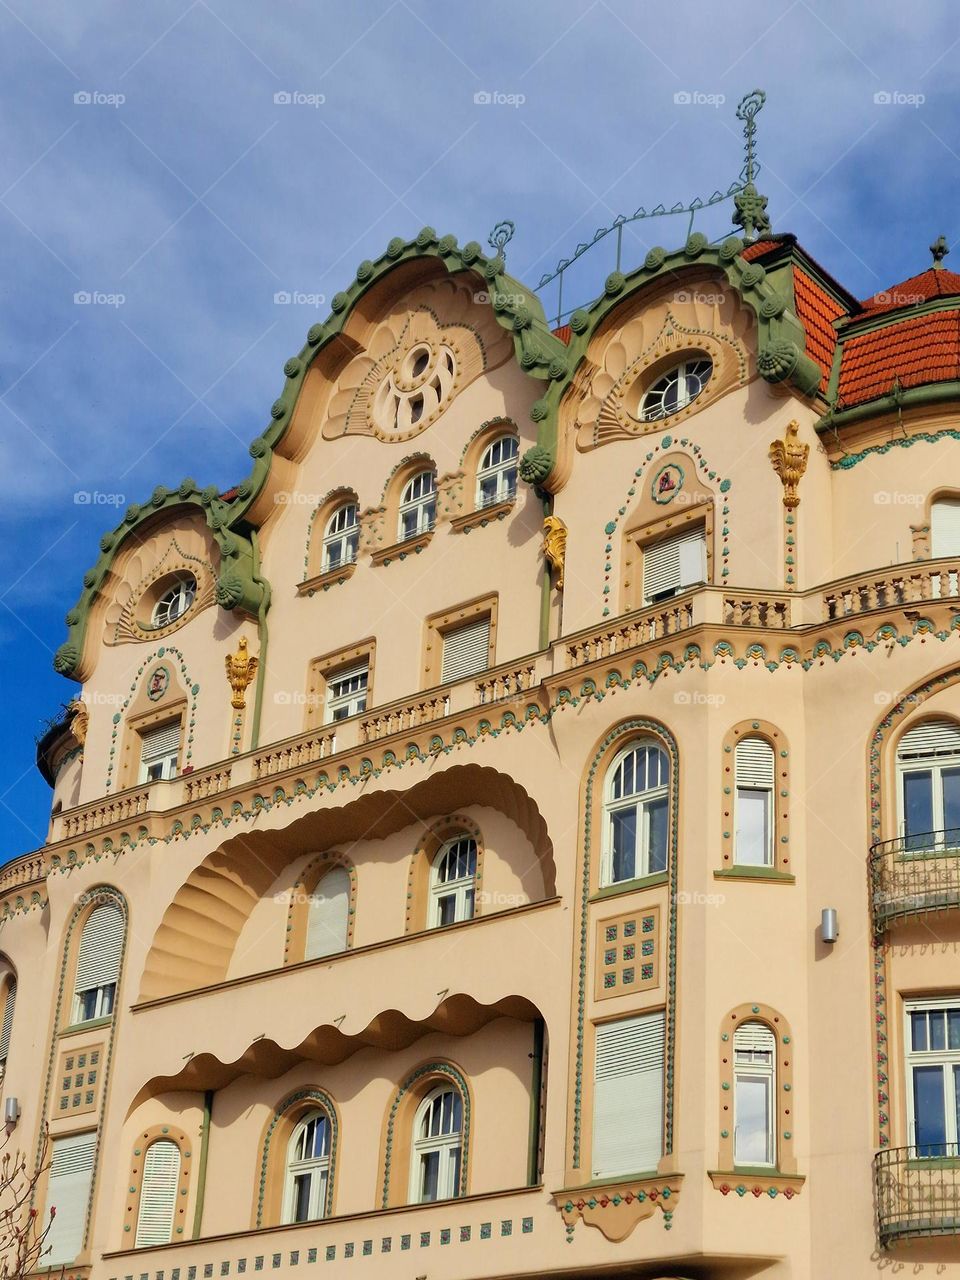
(829, 924)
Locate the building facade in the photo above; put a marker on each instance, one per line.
(441, 833)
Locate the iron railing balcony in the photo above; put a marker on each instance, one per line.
(914, 875)
(917, 1191)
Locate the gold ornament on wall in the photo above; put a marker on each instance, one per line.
(79, 720)
(241, 669)
(789, 459)
(555, 545)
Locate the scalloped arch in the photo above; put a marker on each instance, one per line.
(195, 940)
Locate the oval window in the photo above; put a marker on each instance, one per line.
(676, 389)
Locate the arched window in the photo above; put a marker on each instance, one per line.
(637, 814)
(341, 537)
(328, 915)
(754, 1095)
(158, 1194)
(418, 506)
(175, 601)
(308, 1169)
(753, 806)
(437, 1147)
(497, 473)
(928, 762)
(676, 389)
(453, 882)
(945, 527)
(6, 1026)
(98, 963)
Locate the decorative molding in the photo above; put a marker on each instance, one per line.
(159, 1133)
(781, 796)
(789, 460)
(241, 669)
(615, 1208)
(785, 1119)
(312, 874)
(193, 691)
(555, 546)
(439, 1070)
(301, 1101)
(756, 1184)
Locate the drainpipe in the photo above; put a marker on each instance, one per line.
(202, 1169)
(546, 584)
(536, 1089)
(264, 637)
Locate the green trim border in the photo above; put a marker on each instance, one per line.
(324, 1103)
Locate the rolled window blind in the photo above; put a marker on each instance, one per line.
(932, 738)
(8, 1008)
(68, 1191)
(101, 946)
(161, 742)
(945, 528)
(755, 763)
(673, 564)
(466, 650)
(327, 915)
(628, 1095)
(158, 1193)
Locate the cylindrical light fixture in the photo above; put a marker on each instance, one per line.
(11, 1111)
(829, 925)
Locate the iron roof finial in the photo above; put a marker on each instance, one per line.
(939, 249)
(750, 206)
(500, 237)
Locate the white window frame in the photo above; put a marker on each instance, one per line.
(752, 1065)
(754, 787)
(448, 1146)
(691, 563)
(316, 1168)
(945, 1059)
(642, 801)
(341, 535)
(97, 1000)
(934, 763)
(462, 890)
(158, 1195)
(419, 500)
(685, 375)
(499, 464)
(180, 596)
(351, 701)
(163, 767)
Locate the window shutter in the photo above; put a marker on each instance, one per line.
(101, 946)
(327, 916)
(945, 528)
(160, 743)
(754, 1037)
(158, 1193)
(673, 564)
(71, 1172)
(754, 759)
(628, 1095)
(8, 1008)
(466, 650)
(932, 738)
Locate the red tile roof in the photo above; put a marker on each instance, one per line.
(816, 311)
(931, 283)
(920, 350)
(758, 249)
(564, 333)
(230, 494)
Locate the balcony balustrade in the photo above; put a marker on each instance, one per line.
(913, 875)
(917, 1192)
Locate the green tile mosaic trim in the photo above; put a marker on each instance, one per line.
(635, 727)
(665, 443)
(436, 1069)
(324, 1102)
(192, 692)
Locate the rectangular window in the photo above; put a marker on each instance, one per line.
(347, 693)
(628, 1096)
(674, 564)
(71, 1172)
(933, 1076)
(159, 752)
(466, 650)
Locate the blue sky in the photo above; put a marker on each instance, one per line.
(185, 197)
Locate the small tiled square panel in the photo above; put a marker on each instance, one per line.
(78, 1080)
(627, 954)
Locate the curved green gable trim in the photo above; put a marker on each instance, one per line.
(781, 338)
(516, 308)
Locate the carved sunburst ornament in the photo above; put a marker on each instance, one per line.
(700, 321)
